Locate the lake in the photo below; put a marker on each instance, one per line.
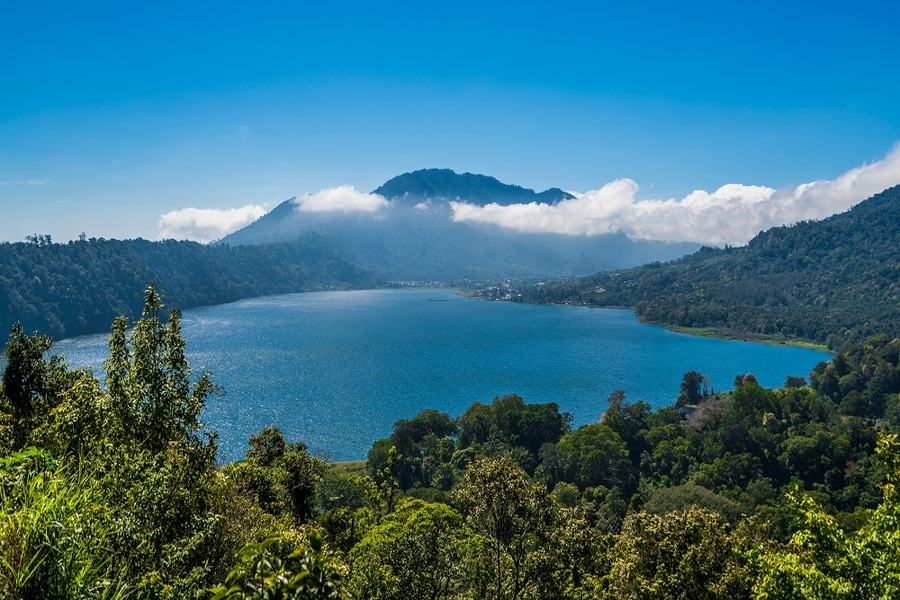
(337, 369)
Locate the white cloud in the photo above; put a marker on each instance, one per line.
(206, 224)
(25, 182)
(732, 214)
(344, 198)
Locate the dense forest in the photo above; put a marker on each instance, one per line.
(81, 286)
(113, 490)
(832, 282)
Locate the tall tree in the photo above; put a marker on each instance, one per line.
(149, 380)
(31, 384)
(501, 503)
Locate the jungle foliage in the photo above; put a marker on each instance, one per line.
(113, 490)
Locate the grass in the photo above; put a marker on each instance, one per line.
(724, 334)
(350, 467)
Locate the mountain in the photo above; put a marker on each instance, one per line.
(415, 237)
(832, 281)
(444, 184)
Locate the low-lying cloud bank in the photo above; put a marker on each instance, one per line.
(206, 224)
(343, 198)
(732, 214)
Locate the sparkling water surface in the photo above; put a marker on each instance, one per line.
(337, 369)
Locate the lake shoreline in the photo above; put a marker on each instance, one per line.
(722, 334)
(705, 332)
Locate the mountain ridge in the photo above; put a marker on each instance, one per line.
(446, 184)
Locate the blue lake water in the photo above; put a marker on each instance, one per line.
(337, 369)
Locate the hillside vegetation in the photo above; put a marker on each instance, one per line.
(832, 281)
(80, 287)
(113, 491)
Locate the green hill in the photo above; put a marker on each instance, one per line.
(832, 281)
(80, 287)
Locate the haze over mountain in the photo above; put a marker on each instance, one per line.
(407, 229)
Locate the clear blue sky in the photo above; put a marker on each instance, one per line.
(113, 113)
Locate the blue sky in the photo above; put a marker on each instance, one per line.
(114, 114)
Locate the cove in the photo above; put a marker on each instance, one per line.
(337, 369)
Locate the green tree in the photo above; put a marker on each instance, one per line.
(501, 503)
(152, 397)
(281, 477)
(685, 555)
(383, 487)
(694, 388)
(579, 556)
(595, 455)
(421, 550)
(158, 463)
(426, 443)
(307, 573)
(31, 384)
(822, 561)
(266, 447)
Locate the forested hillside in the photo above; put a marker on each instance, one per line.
(832, 281)
(80, 287)
(113, 491)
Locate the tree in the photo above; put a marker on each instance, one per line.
(792, 381)
(421, 550)
(266, 447)
(282, 477)
(302, 474)
(425, 442)
(580, 553)
(152, 398)
(508, 422)
(630, 421)
(308, 573)
(687, 555)
(595, 455)
(30, 384)
(158, 464)
(694, 387)
(682, 497)
(512, 512)
(383, 487)
(821, 561)
(475, 424)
